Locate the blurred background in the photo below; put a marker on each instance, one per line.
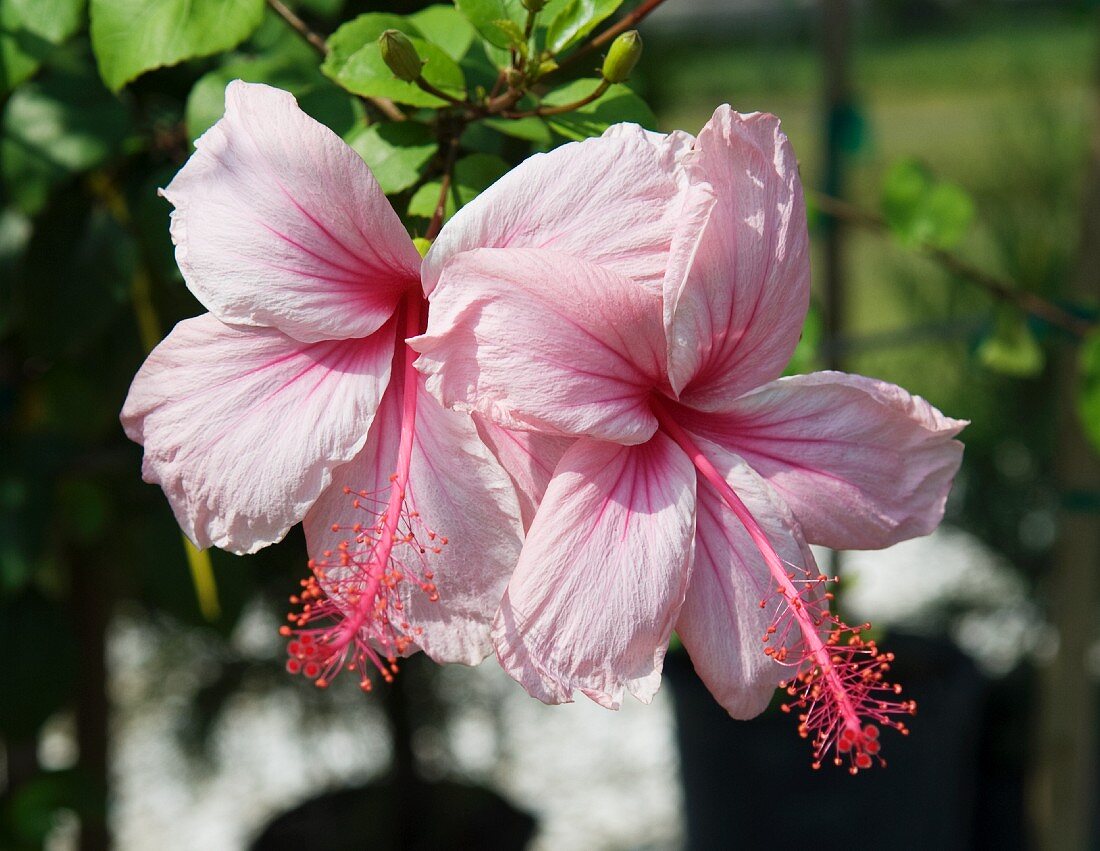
(143, 702)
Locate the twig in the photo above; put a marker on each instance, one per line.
(627, 22)
(564, 108)
(436, 223)
(317, 41)
(1000, 288)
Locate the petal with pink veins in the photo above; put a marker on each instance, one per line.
(602, 574)
(528, 457)
(277, 222)
(861, 463)
(612, 201)
(737, 289)
(537, 340)
(242, 427)
(460, 492)
(722, 624)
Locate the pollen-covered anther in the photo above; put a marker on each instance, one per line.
(351, 609)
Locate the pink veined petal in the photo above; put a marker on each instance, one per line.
(242, 426)
(537, 340)
(613, 201)
(460, 492)
(602, 574)
(722, 624)
(279, 223)
(861, 463)
(528, 457)
(737, 289)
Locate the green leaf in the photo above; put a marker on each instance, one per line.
(55, 129)
(486, 16)
(514, 31)
(1012, 349)
(472, 175)
(575, 20)
(921, 210)
(1088, 388)
(528, 129)
(397, 153)
(131, 37)
(618, 104)
(293, 71)
(29, 30)
(355, 62)
(445, 27)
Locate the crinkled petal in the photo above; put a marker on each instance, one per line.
(602, 574)
(613, 201)
(737, 289)
(461, 493)
(722, 624)
(279, 223)
(529, 459)
(537, 340)
(242, 427)
(862, 463)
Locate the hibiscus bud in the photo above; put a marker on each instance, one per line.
(399, 54)
(534, 5)
(622, 57)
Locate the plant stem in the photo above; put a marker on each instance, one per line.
(560, 110)
(436, 223)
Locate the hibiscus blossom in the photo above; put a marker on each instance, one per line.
(294, 399)
(695, 476)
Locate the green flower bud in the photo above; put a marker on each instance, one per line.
(622, 57)
(399, 54)
(534, 5)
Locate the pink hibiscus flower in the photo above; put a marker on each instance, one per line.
(278, 407)
(694, 475)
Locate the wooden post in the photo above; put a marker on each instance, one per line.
(1063, 782)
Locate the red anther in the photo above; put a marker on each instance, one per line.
(863, 761)
(311, 669)
(870, 731)
(293, 666)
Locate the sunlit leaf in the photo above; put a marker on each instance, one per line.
(1012, 348)
(486, 16)
(445, 27)
(397, 153)
(922, 210)
(572, 20)
(355, 62)
(131, 37)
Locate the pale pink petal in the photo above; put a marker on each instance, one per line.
(862, 463)
(722, 624)
(539, 340)
(461, 493)
(737, 289)
(279, 223)
(242, 426)
(602, 574)
(612, 201)
(528, 457)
